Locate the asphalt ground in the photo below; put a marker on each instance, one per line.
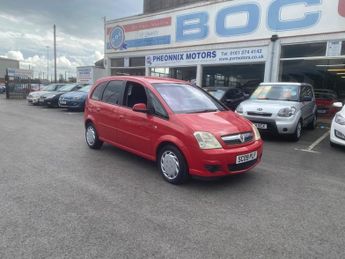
(60, 199)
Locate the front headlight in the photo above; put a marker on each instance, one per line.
(287, 112)
(257, 135)
(339, 119)
(239, 109)
(207, 140)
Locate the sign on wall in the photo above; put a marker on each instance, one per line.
(227, 21)
(16, 72)
(224, 56)
(85, 75)
(334, 48)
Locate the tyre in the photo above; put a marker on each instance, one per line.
(91, 137)
(312, 124)
(172, 165)
(298, 132)
(332, 144)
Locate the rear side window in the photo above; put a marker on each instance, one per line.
(307, 92)
(98, 92)
(113, 93)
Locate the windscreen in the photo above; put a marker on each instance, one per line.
(66, 88)
(49, 88)
(85, 89)
(276, 92)
(187, 99)
(216, 93)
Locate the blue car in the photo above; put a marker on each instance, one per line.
(75, 100)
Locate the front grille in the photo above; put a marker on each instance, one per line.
(261, 114)
(239, 138)
(243, 166)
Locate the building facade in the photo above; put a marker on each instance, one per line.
(153, 6)
(7, 63)
(234, 43)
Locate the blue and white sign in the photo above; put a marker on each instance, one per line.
(223, 56)
(228, 21)
(117, 38)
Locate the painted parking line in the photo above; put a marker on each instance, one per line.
(315, 144)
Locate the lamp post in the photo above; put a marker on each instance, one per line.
(47, 62)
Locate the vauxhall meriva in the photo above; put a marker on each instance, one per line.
(184, 129)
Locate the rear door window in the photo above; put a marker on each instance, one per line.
(113, 93)
(98, 92)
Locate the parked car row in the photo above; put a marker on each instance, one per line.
(187, 130)
(70, 96)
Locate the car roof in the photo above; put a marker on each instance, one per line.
(220, 88)
(143, 79)
(283, 83)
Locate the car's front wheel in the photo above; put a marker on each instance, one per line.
(298, 132)
(91, 137)
(172, 165)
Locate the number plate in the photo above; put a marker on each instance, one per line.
(321, 111)
(62, 102)
(261, 125)
(246, 158)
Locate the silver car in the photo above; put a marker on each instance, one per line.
(283, 108)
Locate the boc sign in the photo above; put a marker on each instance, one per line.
(226, 21)
(196, 26)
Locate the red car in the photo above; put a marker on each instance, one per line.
(324, 103)
(183, 128)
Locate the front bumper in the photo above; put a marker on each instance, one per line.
(279, 125)
(71, 104)
(334, 138)
(222, 162)
(33, 100)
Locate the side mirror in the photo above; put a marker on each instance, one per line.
(140, 107)
(337, 105)
(307, 99)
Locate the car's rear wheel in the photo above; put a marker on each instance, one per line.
(172, 165)
(312, 124)
(298, 132)
(91, 137)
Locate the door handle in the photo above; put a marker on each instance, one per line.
(98, 109)
(121, 117)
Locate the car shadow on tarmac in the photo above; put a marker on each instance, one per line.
(142, 165)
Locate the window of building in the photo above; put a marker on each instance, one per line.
(113, 92)
(304, 50)
(247, 77)
(117, 62)
(137, 62)
(128, 71)
(320, 73)
(343, 49)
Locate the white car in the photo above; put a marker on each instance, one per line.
(338, 126)
(34, 97)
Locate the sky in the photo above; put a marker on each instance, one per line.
(26, 31)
